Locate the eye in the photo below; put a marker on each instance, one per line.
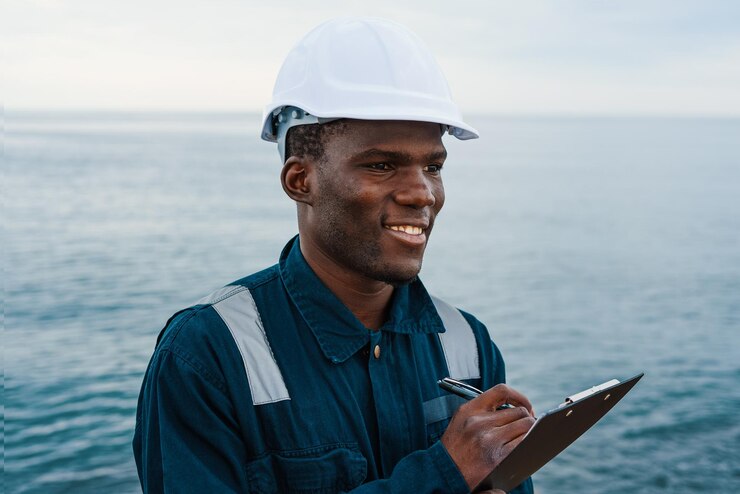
(379, 166)
(433, 168)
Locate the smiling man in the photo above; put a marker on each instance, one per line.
(319, 374)
(366, 207)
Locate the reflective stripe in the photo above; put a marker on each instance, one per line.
(220, 294)
(440, 408)
(240, 314)
(458, 342)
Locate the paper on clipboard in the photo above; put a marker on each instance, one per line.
(554, 431)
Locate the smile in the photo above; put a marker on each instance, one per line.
(411, 230)
(409, 235)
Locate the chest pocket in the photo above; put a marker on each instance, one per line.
(437, 414)
(322, 470)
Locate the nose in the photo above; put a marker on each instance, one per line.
(416, 190)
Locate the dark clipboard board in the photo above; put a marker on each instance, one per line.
(552, 433)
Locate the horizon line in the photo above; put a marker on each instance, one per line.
(5, 110)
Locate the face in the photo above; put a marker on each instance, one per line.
(378, 191)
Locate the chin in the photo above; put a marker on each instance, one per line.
(397, 284)
(399, 276)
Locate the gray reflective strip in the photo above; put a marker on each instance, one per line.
(220, 294)
(458, 342)
(240, 315)
(441, 408)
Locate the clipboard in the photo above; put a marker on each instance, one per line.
(554, 431)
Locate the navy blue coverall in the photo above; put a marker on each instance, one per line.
(272, 385)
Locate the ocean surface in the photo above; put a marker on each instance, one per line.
(592, 248)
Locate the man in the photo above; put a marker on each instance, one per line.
(319, 373)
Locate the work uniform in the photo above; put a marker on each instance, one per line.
(272, 385)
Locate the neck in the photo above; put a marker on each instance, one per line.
(368, 299)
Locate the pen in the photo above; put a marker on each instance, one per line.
(464, 390)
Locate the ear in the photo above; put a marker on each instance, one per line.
(298, 180)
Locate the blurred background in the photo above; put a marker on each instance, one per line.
(594, 226)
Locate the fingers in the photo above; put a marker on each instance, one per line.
(506, 437)
(507, 415)
(501, 394)
(517, 431)
(479, 436)
(490, 420)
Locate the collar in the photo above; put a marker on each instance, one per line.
(339, 333)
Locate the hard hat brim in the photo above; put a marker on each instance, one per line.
(457, 128)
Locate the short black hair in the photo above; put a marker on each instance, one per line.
(307, 141)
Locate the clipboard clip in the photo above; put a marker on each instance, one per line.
(588, 392)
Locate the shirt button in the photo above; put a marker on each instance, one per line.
(376, 352)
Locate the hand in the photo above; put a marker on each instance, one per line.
(479, 437)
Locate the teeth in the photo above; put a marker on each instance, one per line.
(411, 230)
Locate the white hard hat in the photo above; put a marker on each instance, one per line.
(363, 68)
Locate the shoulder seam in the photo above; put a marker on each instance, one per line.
(177, 327)
(236, 288)
(172, 347)
(231, 293)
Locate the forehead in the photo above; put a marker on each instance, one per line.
(358, 136)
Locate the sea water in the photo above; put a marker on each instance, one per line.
(593, 248)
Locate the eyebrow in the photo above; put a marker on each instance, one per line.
(397, 156)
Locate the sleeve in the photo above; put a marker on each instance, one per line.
(186, 438)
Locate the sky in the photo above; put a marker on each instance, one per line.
(590, 57)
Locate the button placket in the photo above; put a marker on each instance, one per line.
(389, 413)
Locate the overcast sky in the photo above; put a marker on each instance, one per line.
(669, 57)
